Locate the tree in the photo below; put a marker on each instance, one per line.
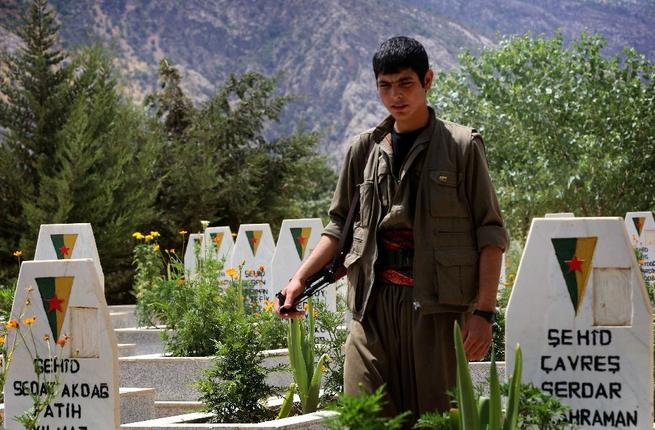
(100, 172)
(34, 103)
(566, 128)
(225, 169)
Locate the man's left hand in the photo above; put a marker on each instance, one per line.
(477, 335)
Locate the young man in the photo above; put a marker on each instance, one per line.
(426, 246)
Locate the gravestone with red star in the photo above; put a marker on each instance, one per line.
(218, 242)
(297, 239)
(581, 314)
(193, 253)
(641, 230)
(67, 241)
(62, 332)
(253, 250)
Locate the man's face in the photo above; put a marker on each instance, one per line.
(403, 94)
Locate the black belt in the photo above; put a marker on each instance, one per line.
(397, 258)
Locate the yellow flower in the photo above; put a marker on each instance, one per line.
(137, 235)
(2, 340)
(183, 232)
(268, 305)
(148, 238)
(231, 272)
(11, 324)
(18, 253)
(155, 248)
(29, 321)
(154, 234)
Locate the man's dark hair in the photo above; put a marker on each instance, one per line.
(399, 53)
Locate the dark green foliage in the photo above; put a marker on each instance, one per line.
(333, 327)
(566, 128)
(363, 412)
(6, 300)
(225, 169)
(75, 151)
(34, 104)
(539, 410)
(235, 387)
(436, 421)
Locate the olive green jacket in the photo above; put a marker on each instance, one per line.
(453, 204)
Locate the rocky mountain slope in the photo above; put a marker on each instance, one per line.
(319, 49)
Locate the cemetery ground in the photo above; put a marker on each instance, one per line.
(203, 343)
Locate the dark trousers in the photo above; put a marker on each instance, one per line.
(411, 353)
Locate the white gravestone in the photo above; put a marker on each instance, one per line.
(253, 248)
(581, 314)
(68, 241)
(218, 243)
(66, 300)
(641, 230)
(297, 239)
(193, 253)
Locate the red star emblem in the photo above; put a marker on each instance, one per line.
(217, 240)
(54, 304)
(64, 250)
(301, 239)
(254, 239)
(574, 264)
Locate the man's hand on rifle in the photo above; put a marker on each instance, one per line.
(294, 288)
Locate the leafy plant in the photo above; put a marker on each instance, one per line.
(302, 347)
(539, 410)
(235, 387)
(363, 412)
(485, 412)
(332, 325)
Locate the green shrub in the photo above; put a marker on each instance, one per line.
(363, 412)
(332, 325)
(235, 387)
(539, 410)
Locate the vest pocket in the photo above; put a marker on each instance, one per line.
(357, 247)
(444, 201)
(457, 275)
(365, 202)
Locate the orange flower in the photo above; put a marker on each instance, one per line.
(30, 320)
(231, 272)
(62, 340)
(180, 281)
(261, 268)
(18, 253)
(11, 324)
(183, 232)
(2, 340)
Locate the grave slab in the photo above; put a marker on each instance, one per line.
(218, 242)
(147, 340)
(297, 239)
(313, 421)
(137, 404)
(581, 314)
(68, 241)
(59, 301)
(173, 377)
(193, 253)
(253, 248)
(641, 230)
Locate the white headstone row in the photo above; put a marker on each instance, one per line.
(265, 267)
(641, 230)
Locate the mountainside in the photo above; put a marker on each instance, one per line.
(320, 49)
